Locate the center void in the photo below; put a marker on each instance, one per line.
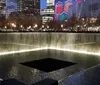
(48, 64)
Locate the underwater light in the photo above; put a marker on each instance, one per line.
(52, 48)
(23, 51)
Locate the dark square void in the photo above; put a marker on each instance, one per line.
(47, 81)
(48, 64)
(11, 82)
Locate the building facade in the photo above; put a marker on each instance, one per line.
(64, 9)
(48, 12)
(86, 9)
(2, 9)
(11, 6)
(29, 6)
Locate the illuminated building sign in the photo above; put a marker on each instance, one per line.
(62, 8)
(78, 1)
(11, 6)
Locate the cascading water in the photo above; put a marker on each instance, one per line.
(31, 41)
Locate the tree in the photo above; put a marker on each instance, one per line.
(72, 22)
(97, 23)
(20, 19)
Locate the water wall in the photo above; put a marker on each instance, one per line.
(17, 41)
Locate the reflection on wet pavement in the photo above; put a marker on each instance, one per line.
(88, 77)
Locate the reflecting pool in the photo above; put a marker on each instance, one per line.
(16, 48)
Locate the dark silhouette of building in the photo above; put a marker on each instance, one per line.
(2, 9)
(29, 6)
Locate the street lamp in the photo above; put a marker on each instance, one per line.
(35, 26)
(5, 27)
(42, 26)
(47, 26)
(62, 25)
(13, 25)
(21, 26)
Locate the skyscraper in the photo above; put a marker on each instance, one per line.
(48, 12)
(86, 9)
(11, 6)
(64, 9)
(30, 6)
(2, 9)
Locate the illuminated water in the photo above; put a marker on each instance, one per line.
(10, 67)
